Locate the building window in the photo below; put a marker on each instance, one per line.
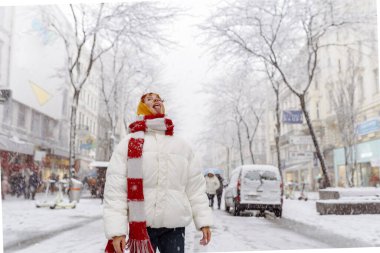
(317, 107)
(376, 80)
(45, 126)
(21, 115)
(52, 128)
(361, 88)
(81, 119)
(36, 124)
(64, 103)
(8, 112)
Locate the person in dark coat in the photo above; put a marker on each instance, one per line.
(219, 191)
(34, 182)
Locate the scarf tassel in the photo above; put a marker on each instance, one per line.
(136, 246)
(140, 246)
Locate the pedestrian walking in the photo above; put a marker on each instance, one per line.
(52, 182)
(212, 184)
(4, 186)
(26, 175)
(154, 183)
(219, 191)
(34, 183)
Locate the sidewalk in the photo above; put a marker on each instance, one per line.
(364, 227)
(24, 223)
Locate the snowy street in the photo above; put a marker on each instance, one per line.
(30, 229)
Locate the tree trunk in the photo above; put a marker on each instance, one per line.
(73, 117)
(326, 180)
(355, 163)
(251, 152)
(277, 138)
(240, 146)
(228, 162)
(347, 166)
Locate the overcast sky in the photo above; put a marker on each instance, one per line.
(186, 67)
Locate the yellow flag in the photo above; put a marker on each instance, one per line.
(42, 95)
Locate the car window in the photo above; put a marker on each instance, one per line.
(269, 175)
(252, 175)
(265, 175)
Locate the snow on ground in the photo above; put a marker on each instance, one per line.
(23, 221)
(81, 229)
(357, 191)
(364, 227)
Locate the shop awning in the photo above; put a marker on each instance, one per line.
(99, 164)
(15, 145)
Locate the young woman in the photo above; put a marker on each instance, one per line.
(154, 187)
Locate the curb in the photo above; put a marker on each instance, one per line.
(22, 244)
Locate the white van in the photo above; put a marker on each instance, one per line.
(254, 187)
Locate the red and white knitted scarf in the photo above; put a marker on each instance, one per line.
(138, 241)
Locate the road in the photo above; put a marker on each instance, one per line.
(244, 233)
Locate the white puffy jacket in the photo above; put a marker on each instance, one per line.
(174, 187)
(212, 184)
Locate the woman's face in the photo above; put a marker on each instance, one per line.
(154, 103)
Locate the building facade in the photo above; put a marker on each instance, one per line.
(35, 122)
(339, 67)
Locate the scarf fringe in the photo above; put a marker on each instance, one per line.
(140, 246)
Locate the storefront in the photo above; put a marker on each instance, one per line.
(55, 166)
(298, 174)
(16, 162)
(16, 155)
(367, 170)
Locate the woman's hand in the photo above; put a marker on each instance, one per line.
(206, 236)
(119, 243)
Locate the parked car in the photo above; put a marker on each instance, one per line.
(254, 187)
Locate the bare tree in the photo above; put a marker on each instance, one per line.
(287, 35)
(236, 113)
(346, 112)
(95, 30)
(120, 74)
(250, 117)
(275, 83)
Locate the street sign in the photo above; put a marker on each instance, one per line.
(292, 117)
(5, 95)
(368, 126)
(301, 155)
(301, 140)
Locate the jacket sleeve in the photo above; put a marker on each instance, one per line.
(115, 214)
(196, 193)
